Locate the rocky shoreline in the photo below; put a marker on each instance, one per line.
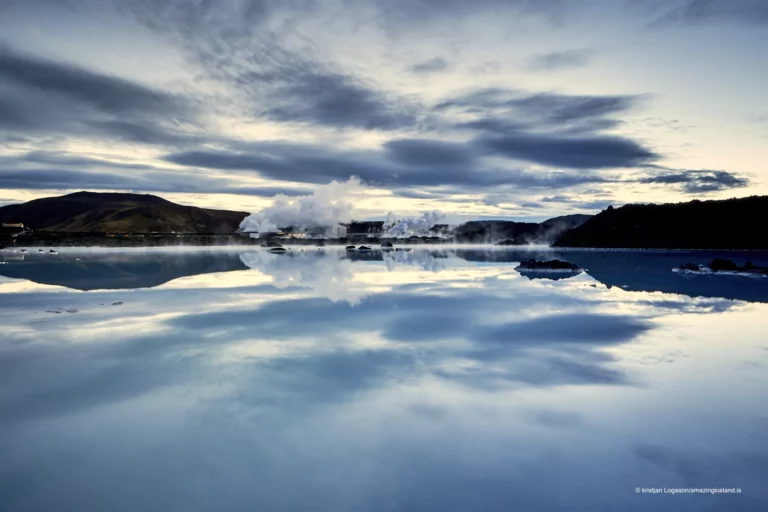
(723, 267)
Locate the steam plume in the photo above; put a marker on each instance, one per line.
(328, 206)
(396, 227)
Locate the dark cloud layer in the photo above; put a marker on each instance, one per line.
(103, 93)
(314, 165)
(699, 181)
(430, 66)
(749, 11)
(419, 152)
(323, 97)
(596, 152)
(502, 110)
(567, 59)
(60, 171)
(45, 96)
(401, 163)
(233, 44)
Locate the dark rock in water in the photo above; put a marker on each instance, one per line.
(723, 266)
(364, 248)
(350, 248)
(387, 245)
(277, 250)
(52, 252)
(718, 264)
(117, 303)
(557, 265)
(271, 243)
(40, 250)
(548, 275)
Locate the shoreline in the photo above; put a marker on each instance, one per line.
(340, 245)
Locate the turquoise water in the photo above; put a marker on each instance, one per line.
(425, 380)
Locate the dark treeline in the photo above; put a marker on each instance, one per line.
(724, 224)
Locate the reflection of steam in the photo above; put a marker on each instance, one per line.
(327, 207)
(429, 261)
(332, 274)
(396, 227)
(327, 274)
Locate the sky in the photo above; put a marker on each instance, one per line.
(516, 109)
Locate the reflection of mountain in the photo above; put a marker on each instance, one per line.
(647, 271)
(117, 271)
(652, 272)
(551, 276)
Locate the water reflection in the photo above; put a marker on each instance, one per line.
(408, 381)
(333, 269)
(112, 270)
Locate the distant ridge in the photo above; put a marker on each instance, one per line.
(97, 212)
(716, 224)
(517, 233)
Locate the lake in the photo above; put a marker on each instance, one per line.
(440, 379)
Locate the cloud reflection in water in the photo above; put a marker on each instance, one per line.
(410, 383)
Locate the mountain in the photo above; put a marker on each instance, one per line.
(118, 213)
(517, 233)
(721, 224)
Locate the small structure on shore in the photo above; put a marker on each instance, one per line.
(387, 246)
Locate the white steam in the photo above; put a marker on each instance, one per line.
(397, 227)
(328, 206)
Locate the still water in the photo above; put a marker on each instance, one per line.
(438, 380)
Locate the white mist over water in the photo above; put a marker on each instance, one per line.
(328, 206)
(397, 227)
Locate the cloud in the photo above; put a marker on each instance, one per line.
(574, 328)
(699, 181)
(568, 59)
(237, 45)
(430, 66)
(101, 92)
(62, 158)
(156, 181)
(423, 152)
(409, 13)
(401, 163)
(40, 95)
(320, 96)
(555, 199)
(695, 11)
(501, 111)
(593, 152)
